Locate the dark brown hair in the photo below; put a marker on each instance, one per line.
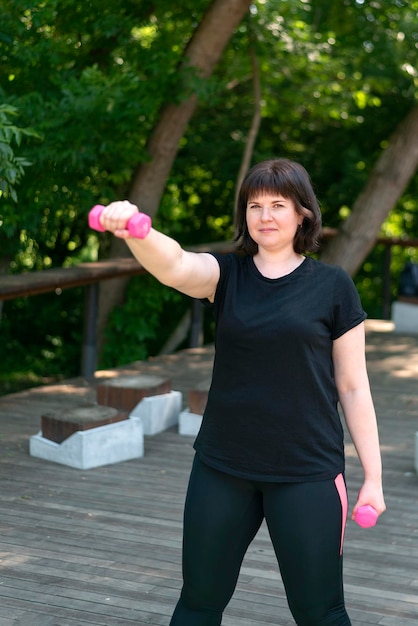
(290, 180)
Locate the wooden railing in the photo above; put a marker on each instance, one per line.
(91, 275)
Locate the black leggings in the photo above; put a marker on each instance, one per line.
(306, 524)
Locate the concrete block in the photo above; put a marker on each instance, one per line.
(104, 445)
(405, 317)
(189, 423)
(158, 413)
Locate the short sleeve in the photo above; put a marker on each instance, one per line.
(224, 261)
(348, 311)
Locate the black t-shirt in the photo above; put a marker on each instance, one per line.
(272, 407)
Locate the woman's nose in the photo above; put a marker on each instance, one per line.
(265, 214)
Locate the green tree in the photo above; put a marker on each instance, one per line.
(12, 169)
(95, 81)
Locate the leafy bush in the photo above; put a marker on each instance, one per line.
(140, 327)
(40, 339)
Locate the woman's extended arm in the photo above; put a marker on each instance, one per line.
(195, 274)
(357, 404)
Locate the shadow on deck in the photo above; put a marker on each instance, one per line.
(103, 546)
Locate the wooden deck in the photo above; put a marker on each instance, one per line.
(103, 547)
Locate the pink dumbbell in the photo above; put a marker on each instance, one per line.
(366, 516)
(138, 226)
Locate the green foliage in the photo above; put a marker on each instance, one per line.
(44, 346)
(91, 79)
(141, 326)
(12, 167)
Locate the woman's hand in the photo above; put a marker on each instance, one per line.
(116, 216)
(370, 493)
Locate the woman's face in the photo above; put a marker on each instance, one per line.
(272, 221)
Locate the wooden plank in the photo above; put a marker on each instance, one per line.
(35, 283)
(103, 547)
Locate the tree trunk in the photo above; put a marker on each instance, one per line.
(202, 53)
(387, 181)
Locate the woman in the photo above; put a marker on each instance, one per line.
(289, 347)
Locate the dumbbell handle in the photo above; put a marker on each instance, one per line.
(138, 225)
(366, 516)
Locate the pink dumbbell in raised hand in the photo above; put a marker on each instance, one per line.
(366, 516)
(138, 225)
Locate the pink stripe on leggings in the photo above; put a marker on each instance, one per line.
(342, 492)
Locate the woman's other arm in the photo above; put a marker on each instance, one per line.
(357, 404)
